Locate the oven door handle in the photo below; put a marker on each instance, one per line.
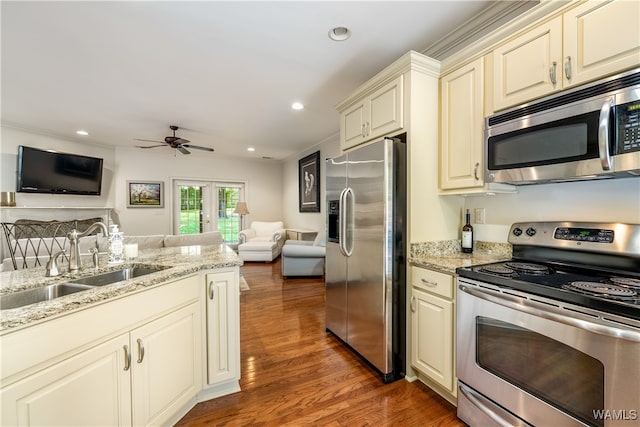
(550, 313)
(490, 409)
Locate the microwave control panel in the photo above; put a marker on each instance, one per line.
(628, 119)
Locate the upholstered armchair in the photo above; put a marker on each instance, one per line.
(262, 241)
(303, 258)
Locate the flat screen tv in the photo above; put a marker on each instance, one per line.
(41, 171)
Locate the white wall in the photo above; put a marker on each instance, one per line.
(263, 179)
(293, 218)
(606, 200)
(12, 137)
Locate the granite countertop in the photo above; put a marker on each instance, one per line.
(446, 256)
(177, 262)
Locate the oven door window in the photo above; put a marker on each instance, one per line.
(545, 368)
(561, 141)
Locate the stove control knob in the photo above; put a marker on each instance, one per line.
(531, 231)
(517, 231)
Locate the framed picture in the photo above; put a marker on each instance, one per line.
(145, 194)
(309, 183)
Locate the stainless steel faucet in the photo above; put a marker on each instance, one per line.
(75, 262)
(52, 265)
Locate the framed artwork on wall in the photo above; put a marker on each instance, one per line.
(145, 194)
(309, 183)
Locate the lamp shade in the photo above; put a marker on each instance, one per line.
(241, 208)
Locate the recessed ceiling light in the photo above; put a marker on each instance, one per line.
(297, 106)
(82, 132)
(251, 149)
(339, 34)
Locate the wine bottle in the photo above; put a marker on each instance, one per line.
(467, 235)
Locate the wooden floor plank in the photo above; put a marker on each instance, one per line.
(294, 373)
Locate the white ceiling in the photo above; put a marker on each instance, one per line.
(225, 72)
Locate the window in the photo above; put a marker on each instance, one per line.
(197, 210)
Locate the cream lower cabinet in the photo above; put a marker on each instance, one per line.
(223, 322)
(92, 388)
(166, 366)
(139, 378)
(136, 360)
(432, 330)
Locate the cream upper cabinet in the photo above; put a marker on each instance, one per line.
(529, 66)
(432, 328)
(589, 41)
(601, 38)
(461, 97)
(223, 321)
(373, 116)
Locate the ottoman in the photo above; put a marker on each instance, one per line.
(258, 251)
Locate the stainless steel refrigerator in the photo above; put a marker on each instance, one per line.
(365, 256)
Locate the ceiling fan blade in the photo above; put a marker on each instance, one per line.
(151, 146)
(183, 150)
(198, 147)
(181, 141)
(147, 140)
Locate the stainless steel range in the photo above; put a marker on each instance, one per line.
(552, 337)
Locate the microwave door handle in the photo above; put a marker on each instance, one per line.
(603, 135)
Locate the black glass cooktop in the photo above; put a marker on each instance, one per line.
(612, 292)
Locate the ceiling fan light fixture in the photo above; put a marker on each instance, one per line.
(339, 34)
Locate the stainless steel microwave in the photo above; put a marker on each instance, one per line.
(589, 132)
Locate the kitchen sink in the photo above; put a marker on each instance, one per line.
(116, 276)
(45, 293)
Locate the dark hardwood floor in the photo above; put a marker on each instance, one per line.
(294, 373)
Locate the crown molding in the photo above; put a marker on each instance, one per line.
(545, 10)
(410, 61)
(489, 19)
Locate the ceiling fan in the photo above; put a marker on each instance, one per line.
(175, 142)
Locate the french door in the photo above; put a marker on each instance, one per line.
(201, 206)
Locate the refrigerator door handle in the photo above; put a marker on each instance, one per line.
(342, 224)
(346, 215)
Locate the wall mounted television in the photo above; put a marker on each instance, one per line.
(41, 171)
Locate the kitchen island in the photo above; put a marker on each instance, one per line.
(136, 352)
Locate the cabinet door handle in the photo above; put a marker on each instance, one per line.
(475, 171)
(127, 357)
(140, 351)
(412, 304)
(212, 290)
(552, 73)
(363, 130)
(368, 128)
(429, 283)
(567, 68)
